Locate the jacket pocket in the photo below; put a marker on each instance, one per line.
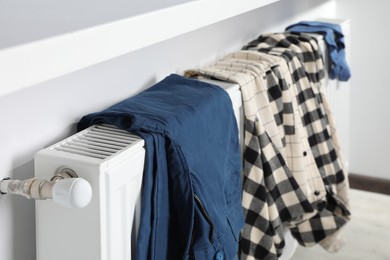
(203, 231)
(226, 243)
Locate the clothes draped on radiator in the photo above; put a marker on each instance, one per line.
(334, 39)
(191, 198)
(292, 168)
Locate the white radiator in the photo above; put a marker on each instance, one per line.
(112, 161)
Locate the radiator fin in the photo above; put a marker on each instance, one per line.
(99, 141)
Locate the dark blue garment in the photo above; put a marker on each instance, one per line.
(334, 39)
(191, 200)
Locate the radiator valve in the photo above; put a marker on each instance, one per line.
(65, 188)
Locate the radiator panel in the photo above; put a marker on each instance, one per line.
(121, 195)
(93, 232)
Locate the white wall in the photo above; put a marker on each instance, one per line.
(36, 19)
(370, 86)
(36, 117)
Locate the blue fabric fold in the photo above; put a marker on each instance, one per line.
(191, 198)
(334, 39)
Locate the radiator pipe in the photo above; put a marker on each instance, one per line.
(64, 187)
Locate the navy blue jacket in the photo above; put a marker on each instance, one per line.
(191, 200)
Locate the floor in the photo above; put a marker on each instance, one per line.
(367, 235)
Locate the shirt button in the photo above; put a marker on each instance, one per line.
(317, 193)
(304, 153)
(219, 255)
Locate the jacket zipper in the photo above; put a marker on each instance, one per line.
(206, 216)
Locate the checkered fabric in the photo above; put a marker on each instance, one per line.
(304, 58)
(305, 48)
(293, 173)
(296, 148)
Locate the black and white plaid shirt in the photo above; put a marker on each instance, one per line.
(304, 58)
